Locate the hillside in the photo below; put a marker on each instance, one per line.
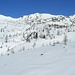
(34, 31)
(37, 44)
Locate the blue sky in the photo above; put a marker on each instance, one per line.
(18, 8)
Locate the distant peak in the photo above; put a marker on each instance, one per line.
(6, 17)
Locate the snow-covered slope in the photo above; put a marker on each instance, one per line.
(46, 60)
(33, 30)
(37, 44)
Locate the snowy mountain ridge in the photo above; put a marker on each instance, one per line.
(35, 30)
(34, 18)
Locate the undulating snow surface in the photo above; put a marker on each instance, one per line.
(37, 44)
(46, 60)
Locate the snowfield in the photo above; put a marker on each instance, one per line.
(46, 60)
(37, 44)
